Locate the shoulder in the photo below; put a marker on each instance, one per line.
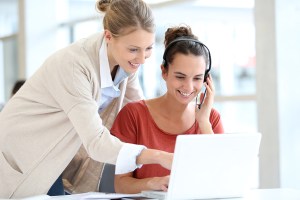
(214, 113)
(134, 110)
(215, 116)
(135, 106)
(216, 122)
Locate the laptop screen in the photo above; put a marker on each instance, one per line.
(213, 165)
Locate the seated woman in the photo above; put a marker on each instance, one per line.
(156, 122)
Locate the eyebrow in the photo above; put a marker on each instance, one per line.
(182, 74)
(140, 47)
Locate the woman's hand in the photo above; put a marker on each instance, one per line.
(159, 183)
(166, 159)
(203, 114)
(152, 156)
(126, 183)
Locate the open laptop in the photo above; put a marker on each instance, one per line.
(211, 166)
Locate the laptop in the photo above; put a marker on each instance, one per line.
(209, 166)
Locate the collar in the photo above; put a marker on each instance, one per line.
(105, 75)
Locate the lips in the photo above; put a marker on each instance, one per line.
(134, 65)
(185, 94)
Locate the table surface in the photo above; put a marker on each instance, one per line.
(257, 194)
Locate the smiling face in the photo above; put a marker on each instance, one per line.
(184, 77)
(129, 51)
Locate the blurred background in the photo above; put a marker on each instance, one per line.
(250, 42)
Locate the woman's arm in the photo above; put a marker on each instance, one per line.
(152, 156)
(203, 114)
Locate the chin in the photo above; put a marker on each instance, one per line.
(184, 101)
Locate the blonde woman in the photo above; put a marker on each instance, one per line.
(73, 99)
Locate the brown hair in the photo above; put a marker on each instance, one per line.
(125, 16)
(184, 46)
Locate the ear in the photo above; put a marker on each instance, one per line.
(107, 35)
(164, 72)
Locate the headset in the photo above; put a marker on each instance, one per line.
(208, 65)
(208, 68)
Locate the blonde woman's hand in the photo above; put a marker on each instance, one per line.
(203, 114)
(166, 159)
(153, 156)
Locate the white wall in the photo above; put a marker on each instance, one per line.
(278, 69)
(288, 62)
(37, 34)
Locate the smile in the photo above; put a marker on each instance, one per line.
(135, 65)
(185, 94)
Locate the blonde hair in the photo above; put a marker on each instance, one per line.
(125, 16)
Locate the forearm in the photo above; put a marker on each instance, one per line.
(152, 156)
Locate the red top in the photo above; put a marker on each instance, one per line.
(134, 124)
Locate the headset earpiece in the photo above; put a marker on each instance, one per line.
(206, 74)
(164, 63)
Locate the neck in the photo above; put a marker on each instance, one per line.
(172, 108)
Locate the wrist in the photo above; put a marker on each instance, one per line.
(149, 156)
(205, 127)
(152, 156)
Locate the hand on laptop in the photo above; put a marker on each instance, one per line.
(203, 114)
(159, 183)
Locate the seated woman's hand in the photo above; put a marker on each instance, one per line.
(159, 183)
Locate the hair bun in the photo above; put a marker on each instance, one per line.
(178, 31)
(102, 5)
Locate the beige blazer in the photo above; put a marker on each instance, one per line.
(45, 123)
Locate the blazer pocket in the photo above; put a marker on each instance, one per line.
(10, 178)
(9, 165)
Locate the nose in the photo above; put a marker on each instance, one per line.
(189, 85)
(141, 57)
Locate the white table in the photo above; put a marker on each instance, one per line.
(257, 194)
(273, 194)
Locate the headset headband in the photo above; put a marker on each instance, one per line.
(192, 40)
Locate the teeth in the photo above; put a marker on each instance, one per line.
(136, 65)
(185, 94)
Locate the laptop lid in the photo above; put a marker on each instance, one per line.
(213, 165)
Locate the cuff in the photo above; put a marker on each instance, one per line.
(126, 161)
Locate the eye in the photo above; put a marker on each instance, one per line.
(133, 50)
(180, 77)
(149, 49)
(198, 78)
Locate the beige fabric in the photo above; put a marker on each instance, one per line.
(55, 112)
(82, 174)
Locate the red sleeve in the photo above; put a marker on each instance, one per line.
(125, 125)
(215, 120)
